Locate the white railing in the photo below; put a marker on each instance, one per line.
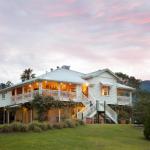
(59, 95)
(124, 100)
(90, 107)
(111, 113)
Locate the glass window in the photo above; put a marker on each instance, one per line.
(3, 95)
(105, 90)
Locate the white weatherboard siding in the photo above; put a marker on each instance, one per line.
(7, 101)
(95, 89)
(95, 80)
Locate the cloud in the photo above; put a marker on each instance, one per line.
(85, 34)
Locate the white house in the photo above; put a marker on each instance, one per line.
(97, 94)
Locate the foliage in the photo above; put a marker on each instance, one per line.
(36, 126)
(44, 103)
(142, 107)
(147, 128)
(70, 123)
(123, 115)
(43, 126)
(14, 127)
(27, 75)
(6, 85)
(129, 80)
(142, 111)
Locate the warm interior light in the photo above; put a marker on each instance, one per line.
(87, 84)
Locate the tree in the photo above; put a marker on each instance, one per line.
(142, 111)
(129, 80)
(27, 75)
(5, 85)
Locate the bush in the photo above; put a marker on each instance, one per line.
(147, 128)
(14, 127)
(70, 123)
(81, 122)
(18, 127)
(59, 125)
(5, 129)
(43, 126)
(37, 129)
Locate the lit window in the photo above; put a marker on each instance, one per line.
(105, 90)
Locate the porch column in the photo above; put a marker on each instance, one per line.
(59, 90)
(131, 98)
(59, 113)
(78, 92)
(4, 116)
(23, 92)
(31, 117)
(40, 88)
(8, 117)
(15, 94)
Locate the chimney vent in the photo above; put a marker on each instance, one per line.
(65, 67)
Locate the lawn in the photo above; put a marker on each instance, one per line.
(90, 137)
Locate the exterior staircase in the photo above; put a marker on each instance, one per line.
(91, 108)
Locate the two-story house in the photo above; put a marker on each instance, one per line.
(96, 94)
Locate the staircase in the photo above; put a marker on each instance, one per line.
(90, 109)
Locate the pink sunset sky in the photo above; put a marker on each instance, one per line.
(86, 34)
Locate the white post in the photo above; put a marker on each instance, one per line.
(23, 92)
(131, 98)
(78, 92)
(59, 90)
(8, 117)
(40, 88)
(31, 117)
(4, 116)
(15, 95)
(59, 113)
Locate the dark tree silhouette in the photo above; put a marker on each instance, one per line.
(27, 75)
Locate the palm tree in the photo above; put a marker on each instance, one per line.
(27, 75)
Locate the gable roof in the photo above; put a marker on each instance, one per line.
(60, 74)
(98, 72)
(63, 75)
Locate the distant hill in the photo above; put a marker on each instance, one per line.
(145, 85)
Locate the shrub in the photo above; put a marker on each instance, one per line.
(18, 127)
(43, 126)
(147, 128)
(70, 123)
(81, 122)
(49, 126)
(14, 127)
(58, 125)
(37, 129)
(5, 129)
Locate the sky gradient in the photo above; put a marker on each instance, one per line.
(86, 34)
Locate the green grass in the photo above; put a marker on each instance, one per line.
(90, 137)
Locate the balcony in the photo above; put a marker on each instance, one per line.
(58, 95)
(124, 100)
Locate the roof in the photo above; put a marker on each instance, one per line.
(60, 74)
(63, 75)
(122, 86)
(67, 75)
(97, 73)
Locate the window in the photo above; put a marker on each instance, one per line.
(3, 95)
(105, 90)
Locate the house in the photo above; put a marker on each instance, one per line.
(97, 95)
